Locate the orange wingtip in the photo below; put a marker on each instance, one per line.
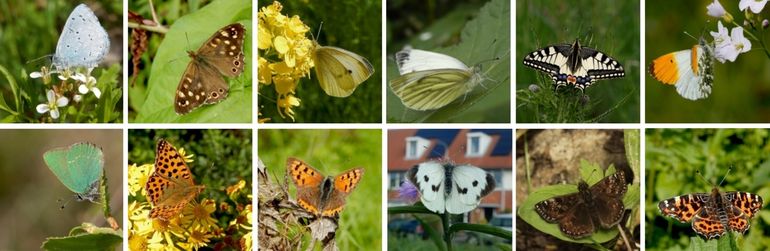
(332, 212)
(310, 208)
(665, 69)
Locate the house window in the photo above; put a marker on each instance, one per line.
(416, 147)
(477, 144)
(395, 179)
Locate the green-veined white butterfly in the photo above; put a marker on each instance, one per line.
(432, 80)
(339, 71)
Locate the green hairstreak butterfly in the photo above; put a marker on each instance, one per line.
(79, 167)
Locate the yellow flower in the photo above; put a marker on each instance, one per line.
(137, 177)
(198, 238)
(137, 242)
(164, 232)
(138, 214)
(285, 38)
(235, 188)
(199, 214)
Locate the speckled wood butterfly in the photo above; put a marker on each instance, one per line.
(203, 82)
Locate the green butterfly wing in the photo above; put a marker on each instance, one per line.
(77, 167)
(433, 89)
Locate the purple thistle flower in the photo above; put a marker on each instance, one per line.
(408, 192)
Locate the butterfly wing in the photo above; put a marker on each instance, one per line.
(598, 65)
(412, 60)
(573, 64)
(308, 181)
(340, 71)
(707, 224)
(78, 166)
(170, 186)
(469, 185)
(202, 81)
(343, 185)
(83, 41)
(429, 178)
(691, 71)
(576, 223)
(554, 209)
(549, 59)
(224, 50)
(683, 208)
(748, 203)
(608, 198)
(433, 89)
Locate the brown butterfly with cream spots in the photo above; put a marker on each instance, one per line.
(318, 194)
(203, 82)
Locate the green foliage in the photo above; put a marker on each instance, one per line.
(332, 152)
(673, 158)
(471, 32)
(86, 237)
(24, 53)
(740, 90)
(188, 33)
(590, 173)
(543, 23)
(222, 157)
(354, 26)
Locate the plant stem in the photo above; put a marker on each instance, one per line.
(447, 235)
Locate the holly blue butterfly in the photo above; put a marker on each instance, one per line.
(79, 167)
(83, 41)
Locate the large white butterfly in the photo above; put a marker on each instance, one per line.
(456, 189)
(432, 80)
(339, 71)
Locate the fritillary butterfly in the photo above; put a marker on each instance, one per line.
(170, 186)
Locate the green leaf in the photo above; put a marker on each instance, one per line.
(171, 61)
(85, 237)
(483, 38)
(481, 228)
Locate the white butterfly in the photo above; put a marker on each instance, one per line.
(432, 80)
(339, 71)
(458, 189)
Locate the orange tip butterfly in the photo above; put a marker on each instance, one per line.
(691, 70)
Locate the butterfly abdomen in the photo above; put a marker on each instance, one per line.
(448, 179)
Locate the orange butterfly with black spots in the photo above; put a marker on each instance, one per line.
(318, 194)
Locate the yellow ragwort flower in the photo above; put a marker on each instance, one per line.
(199, 215)
(137, 177)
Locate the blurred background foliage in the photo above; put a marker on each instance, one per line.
(741, 91)
(609, 26)
(442, 26)
(32, 195)
(29, 31)
(185, 26)
(674, 156)
(331, 152)
(352, 25)
(222, 157)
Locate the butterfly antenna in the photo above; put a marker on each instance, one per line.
(723, 178)
(704, 178)
(65, 203)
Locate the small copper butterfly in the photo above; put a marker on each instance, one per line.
(319, 194)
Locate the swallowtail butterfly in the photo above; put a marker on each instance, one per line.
(572, 64)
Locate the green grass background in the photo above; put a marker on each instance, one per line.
(332, 152)
(673, 158)
(741, 91)
(352, 25)
(608, 26)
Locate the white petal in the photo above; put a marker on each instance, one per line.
(715, 9)
(42, 108)
(50, 95)
(96, 92)
(83, 89)
(62, 101)
(55, 113)
(35, 74)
